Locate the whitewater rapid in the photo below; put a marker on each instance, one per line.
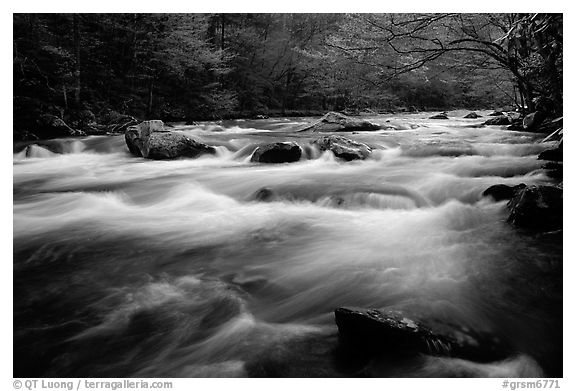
(131, 267)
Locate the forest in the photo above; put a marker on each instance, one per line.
(175, 67)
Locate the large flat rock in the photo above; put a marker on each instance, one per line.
(149, 140)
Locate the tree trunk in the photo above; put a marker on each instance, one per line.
(76, 28)
(522, 108)
(65, 97)
(150, 96)
(222, 20)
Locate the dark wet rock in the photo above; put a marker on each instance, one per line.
(472, 115)
(390, 332)
(502, 192)
(554, 154)
(337, 122)
(496, 114)
(501, 120)
(537, 207)
(172, 145)
(554, 170)
(265, 194)
(137, 137)
(440, 116)
(50, 126)
(286, 152)
(149, 139)
(343, 147)
(516, 125)
(532, 121)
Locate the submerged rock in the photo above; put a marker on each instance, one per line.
(343, 147)
(502, 192)
(372, 332)
(440, 116)
(336, 194)
(285, 152)
(472, 115)
(265, 194)
(537, 207)
(501, 120)
(337, 122)
(149, 140)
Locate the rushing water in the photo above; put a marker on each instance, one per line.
(130, 267)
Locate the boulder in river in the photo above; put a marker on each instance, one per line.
(554, 154)
(472, 115)
(532, 121)
(284, 152)
(373, 331)
(496, 113)
(502, 192)
(501, 120)
(50, 126)
(337, 122)
(343, 147)
(149, 139)
(440, 116)
(265, 194)
(537, 207)
(516, 125)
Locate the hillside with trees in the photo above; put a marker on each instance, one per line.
(94, 68)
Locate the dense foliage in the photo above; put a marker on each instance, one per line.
(193, 66)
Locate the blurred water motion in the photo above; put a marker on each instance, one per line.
(128, 267)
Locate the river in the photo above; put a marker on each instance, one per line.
(130, 267)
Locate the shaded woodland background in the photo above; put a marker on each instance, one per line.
(212, 66)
